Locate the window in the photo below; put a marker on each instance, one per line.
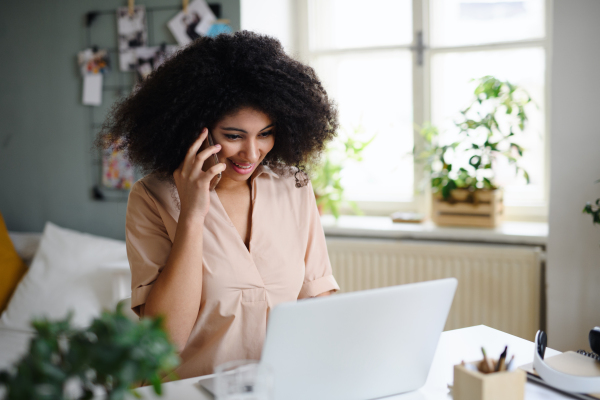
(364, 58)
(391, 65)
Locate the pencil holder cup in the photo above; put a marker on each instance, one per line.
(474, 385)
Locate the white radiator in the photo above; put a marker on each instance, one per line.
(498, 285)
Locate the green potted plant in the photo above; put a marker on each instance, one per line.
(111, 357)
(593, 209)
(460, 165)
(326, 176)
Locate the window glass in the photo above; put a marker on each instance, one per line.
(374, 95)
(470, 22)
(452, 90)
(342, 24)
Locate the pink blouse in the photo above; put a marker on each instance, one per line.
(286, 260)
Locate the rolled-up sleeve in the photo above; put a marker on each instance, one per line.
(148, 243)
(318, 276)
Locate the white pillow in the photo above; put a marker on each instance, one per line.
(66, 274)
(26, 244)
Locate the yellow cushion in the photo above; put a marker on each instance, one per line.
(12, 268)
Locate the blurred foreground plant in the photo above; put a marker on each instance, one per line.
(111, 356)
(326, 177)
(486, 131)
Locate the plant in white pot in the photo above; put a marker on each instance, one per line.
(460, 166)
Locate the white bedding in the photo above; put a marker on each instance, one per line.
(70, 271)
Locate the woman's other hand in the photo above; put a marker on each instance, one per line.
(192, 182)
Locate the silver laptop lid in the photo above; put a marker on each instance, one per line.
(360, 345)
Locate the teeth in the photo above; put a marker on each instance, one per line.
(239, 166)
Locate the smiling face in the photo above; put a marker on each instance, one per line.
(246, 137)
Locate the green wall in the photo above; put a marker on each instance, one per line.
(47, 164)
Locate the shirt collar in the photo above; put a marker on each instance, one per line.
(263, 169)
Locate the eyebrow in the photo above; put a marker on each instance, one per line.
(230, 128)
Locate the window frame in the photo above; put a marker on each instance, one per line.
(421, 76)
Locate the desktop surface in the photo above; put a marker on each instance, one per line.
(454, 346)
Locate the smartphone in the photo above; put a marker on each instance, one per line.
(211, 161)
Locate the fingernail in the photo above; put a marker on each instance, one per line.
(218, 146)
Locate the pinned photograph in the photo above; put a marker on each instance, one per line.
(133, 33)
(92, 90)
(117, 171)
(93, 64)
(150, 58)
(192, 23)
(164, 53)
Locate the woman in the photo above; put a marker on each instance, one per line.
(214, 262)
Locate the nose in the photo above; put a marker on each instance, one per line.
(251, 152)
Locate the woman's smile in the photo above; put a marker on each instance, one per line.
(242, 168)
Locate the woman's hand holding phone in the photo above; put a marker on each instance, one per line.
(177, 291)
(193, 184)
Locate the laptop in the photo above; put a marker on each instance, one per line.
(356, 346)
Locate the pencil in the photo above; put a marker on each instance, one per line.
(509, 365)
(487, 364)
(502, 360)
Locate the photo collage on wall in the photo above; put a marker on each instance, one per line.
(137, 56)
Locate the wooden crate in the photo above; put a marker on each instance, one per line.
(482, 208)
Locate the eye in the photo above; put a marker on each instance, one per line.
(267, 133)
(232, 137)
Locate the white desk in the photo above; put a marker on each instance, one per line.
(454, 346)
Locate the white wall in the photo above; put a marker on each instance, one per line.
(574, 244)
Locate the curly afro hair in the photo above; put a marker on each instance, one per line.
(212, 78)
